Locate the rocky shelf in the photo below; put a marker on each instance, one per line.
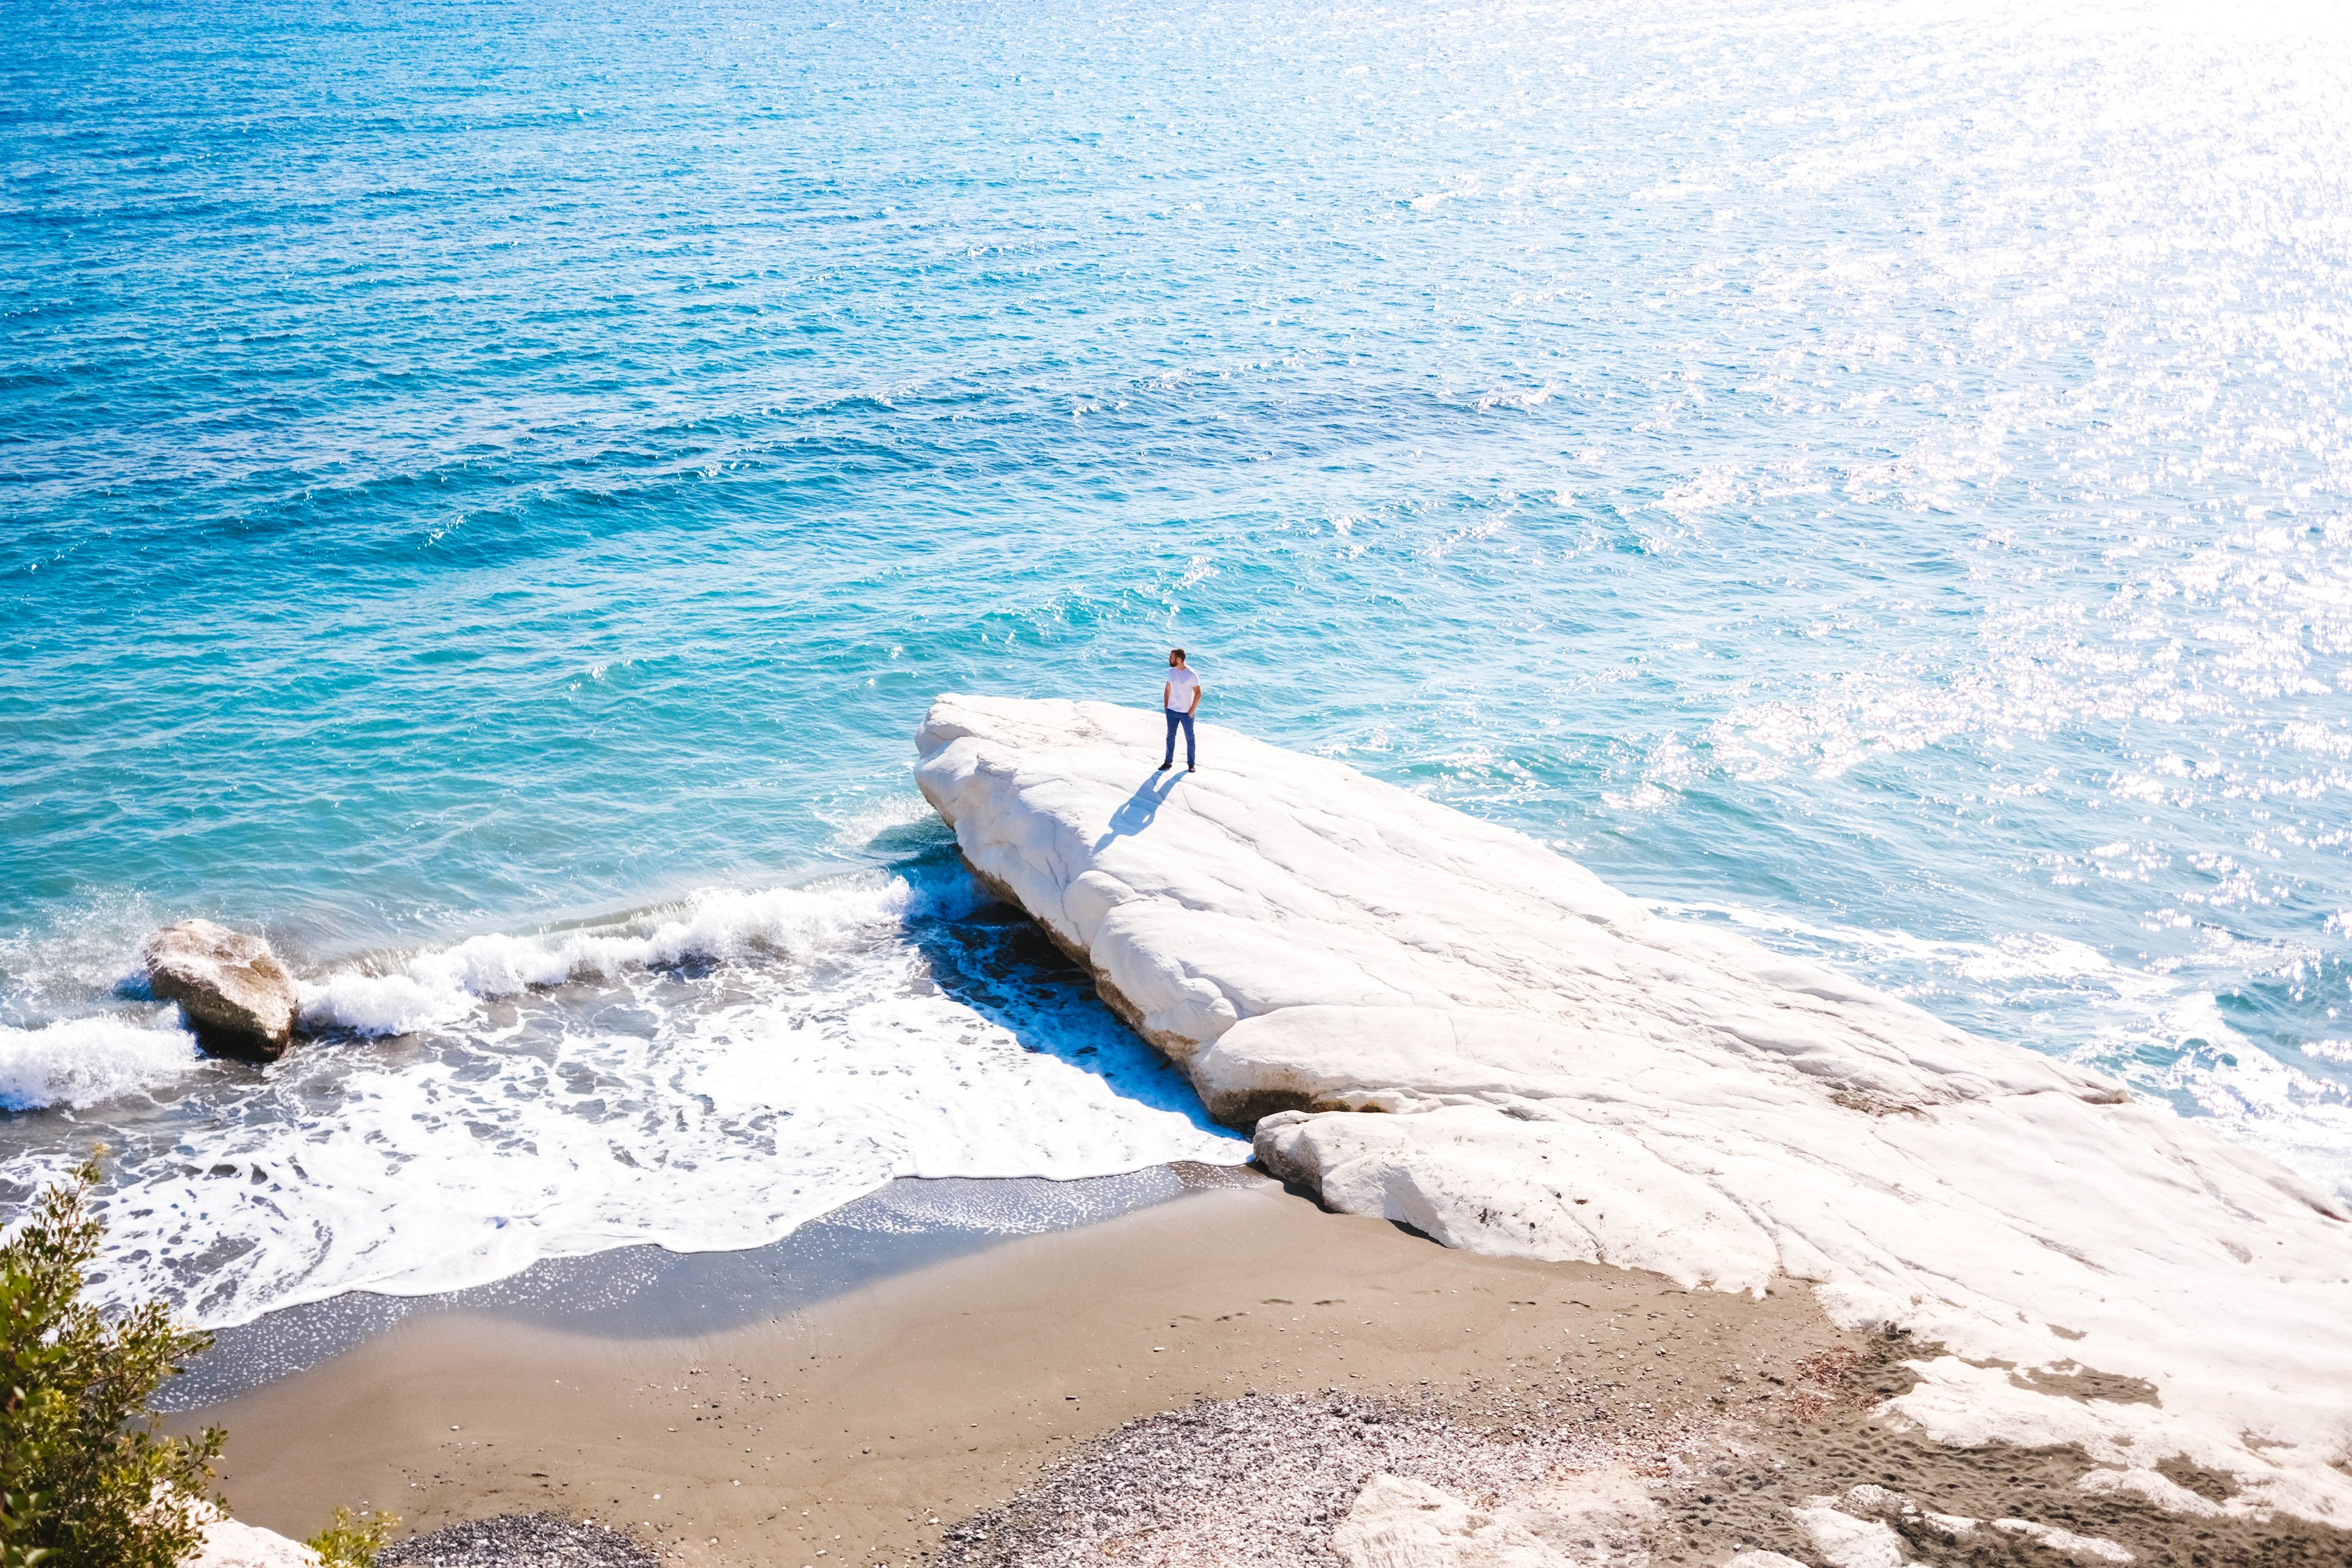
(1447, 1023)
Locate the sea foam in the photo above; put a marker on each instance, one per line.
(444, 984)
(709, 1075)
(83, 1062)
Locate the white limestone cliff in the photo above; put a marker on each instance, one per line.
(1447, 1023)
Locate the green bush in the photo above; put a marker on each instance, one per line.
(86, 1479)
(353, 1540)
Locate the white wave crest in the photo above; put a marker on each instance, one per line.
(442, 986)
(838, 1038)
(86, 1061)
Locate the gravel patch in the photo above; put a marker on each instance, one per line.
(518, 1540)
(1262, 1481)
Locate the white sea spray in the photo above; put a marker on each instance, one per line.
(709, 1075)
(86, 1061)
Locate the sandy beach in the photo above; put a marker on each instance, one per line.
(865, 1428)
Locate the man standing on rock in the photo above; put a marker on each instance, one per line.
(1180, 697)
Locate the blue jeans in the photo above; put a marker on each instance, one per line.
(1174, 718)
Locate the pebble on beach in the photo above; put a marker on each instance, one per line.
(519, 1541)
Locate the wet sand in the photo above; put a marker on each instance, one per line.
(859, 1429)
(643, 1292)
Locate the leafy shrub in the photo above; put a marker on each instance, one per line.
(86, 1480)
(353, 1540)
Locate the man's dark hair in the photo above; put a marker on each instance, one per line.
(1177, 651)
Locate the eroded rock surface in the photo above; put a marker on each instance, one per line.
(1446, 1022)
(1397, 1522)
(1842, 1541)
(1599, 1519)
(230, 1544)
(237, 998)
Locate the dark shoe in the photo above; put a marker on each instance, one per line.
(1164, 767)
(1191, 767)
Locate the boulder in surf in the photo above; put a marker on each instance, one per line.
(237, 998)
(231, 1543)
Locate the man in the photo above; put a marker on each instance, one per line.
(1180, 697)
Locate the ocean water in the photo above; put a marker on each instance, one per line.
(487, 492)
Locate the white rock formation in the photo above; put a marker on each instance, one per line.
(2094, 1550)
(1446, 1022)
(1842, 1541)
(1600, 1519)
(1402, 1523)
(228, 1544)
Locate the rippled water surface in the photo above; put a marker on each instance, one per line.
(488, 492)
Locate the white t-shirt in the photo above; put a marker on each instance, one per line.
(1182, 685)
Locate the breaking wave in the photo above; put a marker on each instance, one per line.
(444, 984)
(83, 1062)
(710, 1076)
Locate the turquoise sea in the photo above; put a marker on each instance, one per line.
(487, 492)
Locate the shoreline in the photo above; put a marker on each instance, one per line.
(647, 1291)
(928, 1395)
(970, 1394)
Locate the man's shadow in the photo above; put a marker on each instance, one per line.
(1135, 812)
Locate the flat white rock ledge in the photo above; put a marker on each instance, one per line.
(1444, 1023)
